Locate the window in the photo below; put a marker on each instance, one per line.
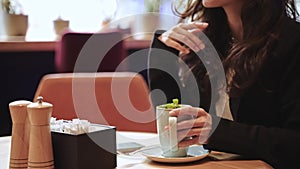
(84, 15)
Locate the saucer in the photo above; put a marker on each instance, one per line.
(195, 152)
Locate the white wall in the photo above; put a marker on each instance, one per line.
(84, 15)
(2, 32)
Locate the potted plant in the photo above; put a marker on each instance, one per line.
(145, 24)
(152, 5)
(16, 23)
(60, 26)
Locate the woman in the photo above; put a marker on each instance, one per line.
(258, 42)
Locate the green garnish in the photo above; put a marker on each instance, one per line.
(175, 102)
(173, 105)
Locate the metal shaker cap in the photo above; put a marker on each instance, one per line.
(39, 104)
(39, 112)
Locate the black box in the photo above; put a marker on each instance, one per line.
(96, 149)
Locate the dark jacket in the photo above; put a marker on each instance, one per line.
(266, 124)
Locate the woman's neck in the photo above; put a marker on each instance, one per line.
(233, 13)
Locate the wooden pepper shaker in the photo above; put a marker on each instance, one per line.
(40, 145)
(20, 134)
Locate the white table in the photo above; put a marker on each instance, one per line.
(141, 162)
(122, 137)
(4, 152)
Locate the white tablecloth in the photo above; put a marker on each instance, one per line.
(145, 139)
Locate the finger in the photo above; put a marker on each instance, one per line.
(188, 124)
(184, 33)
(193, 141)
(188, 142)
(197, 139)
(193, 111)
(203, 132)
(197, 33)
(194, 25)
(193, 36)
(196, 28)
(186, 38)
(173, 44)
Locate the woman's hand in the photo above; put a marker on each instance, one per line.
(195, 129)
(184, 37)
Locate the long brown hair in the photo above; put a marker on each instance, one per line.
(246, 57)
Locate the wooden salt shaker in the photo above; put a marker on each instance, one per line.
(40, 145)
(20, 134)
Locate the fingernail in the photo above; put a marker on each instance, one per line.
(187, 51)
(202, 46)
(197, 49)
(166, 128)
(202, 23)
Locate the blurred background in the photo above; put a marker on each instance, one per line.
(87, 15)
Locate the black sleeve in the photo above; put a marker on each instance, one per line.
(280, 145)
(164, 81)
(163, 72)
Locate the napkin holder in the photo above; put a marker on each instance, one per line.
(96, 149)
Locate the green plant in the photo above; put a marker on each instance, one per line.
(173, 105)
(152, 5)
(11, 6)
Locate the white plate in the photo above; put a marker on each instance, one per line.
(195, 152)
